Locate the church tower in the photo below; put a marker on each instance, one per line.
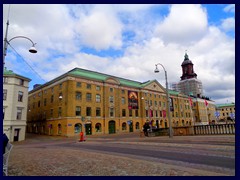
(187, 69)
(189, 84)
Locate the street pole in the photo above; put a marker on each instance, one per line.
(168, 102)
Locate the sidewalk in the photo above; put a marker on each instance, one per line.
(40, 156)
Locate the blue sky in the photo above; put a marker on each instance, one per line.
(126, 41)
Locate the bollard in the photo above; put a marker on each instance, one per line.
(81, 137)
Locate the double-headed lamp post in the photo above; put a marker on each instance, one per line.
(168, 104)
(6, 42)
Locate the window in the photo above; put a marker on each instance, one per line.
(39, 103)
(59, 129)
(3, 112)
(19, 113)
(78, 111)
(130, 112)
(20, 96)
(39, 94)
(98, 111)
(98, 98)
(111, 99)
(45, 91)
(78, 95)
(59, 111)
(45, 102)
(137, 125)
(60, 86)
(51, 113)
(98, 88)
(123, 100)
(52, 97)
(160, 113)
(5, 94)
(21, 82)
(124, 126)
(78, 84)
(88, 96)
(111, 89)
(123, 112)
(88, 111)
(111, 112)
(136, 113)
(123, 91)
(52, 90)
(60, 96)
(44, 115)
(88, 86)
(5, 80)
(98, 127)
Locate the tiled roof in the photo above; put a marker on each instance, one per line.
(102, 77)
(11, 73)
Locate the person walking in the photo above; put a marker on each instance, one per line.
(145, 128)
(5, 142)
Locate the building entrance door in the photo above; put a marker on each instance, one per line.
(88, 129)
(130, 126)
(16, 134)
(111, 127)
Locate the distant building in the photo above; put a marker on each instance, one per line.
(15, 101)
(203, 111)
(226, 112)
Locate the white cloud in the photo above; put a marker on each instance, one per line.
(100, 30)
(62, 31)
(228, 24)
(184, 24)
(230, 8)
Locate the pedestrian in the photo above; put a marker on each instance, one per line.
(5, 142)
(145, 128)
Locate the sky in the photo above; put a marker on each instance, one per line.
(125, 40)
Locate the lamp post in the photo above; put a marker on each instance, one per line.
(168, 104)
(6, 42)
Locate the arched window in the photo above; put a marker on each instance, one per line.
(124, 126)
(78, 128)
(59, 129)
(137, 125)
(98, 127)
(182, 122)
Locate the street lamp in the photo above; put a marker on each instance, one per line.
(7, 42)
(168, 104)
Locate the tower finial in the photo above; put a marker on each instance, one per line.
(186, 56)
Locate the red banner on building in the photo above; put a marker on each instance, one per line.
(132, 100)
(206, 103)
(190, 101)
(164, 113)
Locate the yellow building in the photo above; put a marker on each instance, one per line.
(97, 103)
(226, 112)
(203, 111)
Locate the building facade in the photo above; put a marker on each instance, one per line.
(96, 103)
(203, 111)
(226, 113)
(15, 99)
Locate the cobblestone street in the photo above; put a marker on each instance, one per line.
(41, 155)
